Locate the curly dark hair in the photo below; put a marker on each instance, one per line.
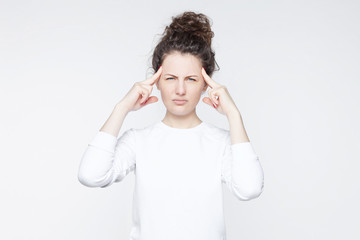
(189, 32)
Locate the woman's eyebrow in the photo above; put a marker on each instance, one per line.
(176, 76)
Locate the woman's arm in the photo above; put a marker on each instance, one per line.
(107, 159)
(242, 171)
(114, 122)
(237, 129)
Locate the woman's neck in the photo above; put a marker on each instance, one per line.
(186, 121)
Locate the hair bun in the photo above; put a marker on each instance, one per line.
(190, 24)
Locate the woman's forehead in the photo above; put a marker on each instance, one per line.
(174, 75)
(176, 60)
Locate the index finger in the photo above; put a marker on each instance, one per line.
(154, 78)
(208, 79)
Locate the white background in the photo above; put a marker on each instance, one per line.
(292, 67)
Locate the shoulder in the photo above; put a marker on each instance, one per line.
(142, 131)
(216, 133)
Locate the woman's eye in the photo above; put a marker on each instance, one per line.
(189, 79)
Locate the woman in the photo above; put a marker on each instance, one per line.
(180, 162)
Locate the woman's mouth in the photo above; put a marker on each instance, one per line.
(179, 102)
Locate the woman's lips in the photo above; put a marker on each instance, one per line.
(180, 102)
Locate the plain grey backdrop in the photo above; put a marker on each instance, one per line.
(292, 67)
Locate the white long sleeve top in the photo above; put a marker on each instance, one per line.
(179, 174)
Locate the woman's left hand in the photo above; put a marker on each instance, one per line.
(220, 98)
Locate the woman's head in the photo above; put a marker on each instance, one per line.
(182, 51)
(191, 33)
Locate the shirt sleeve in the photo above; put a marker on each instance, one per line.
(241, 170)
(107, 159)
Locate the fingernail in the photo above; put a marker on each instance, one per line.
(159, 67)
(214, 106)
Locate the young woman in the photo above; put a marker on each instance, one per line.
(180, 163)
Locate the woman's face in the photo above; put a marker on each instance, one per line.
(181, 79)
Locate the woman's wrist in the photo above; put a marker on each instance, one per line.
(121, 107)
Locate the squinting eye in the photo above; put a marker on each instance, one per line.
(189, 79)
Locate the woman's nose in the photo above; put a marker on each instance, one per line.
(180, 87)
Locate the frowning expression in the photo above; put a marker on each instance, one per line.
(181, 79)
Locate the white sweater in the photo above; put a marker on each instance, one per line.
(178, 177)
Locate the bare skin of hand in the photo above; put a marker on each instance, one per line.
(139, 94)
(220, 98)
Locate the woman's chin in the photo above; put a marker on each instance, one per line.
(178, 111)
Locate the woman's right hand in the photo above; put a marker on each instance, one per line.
(139, 94)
